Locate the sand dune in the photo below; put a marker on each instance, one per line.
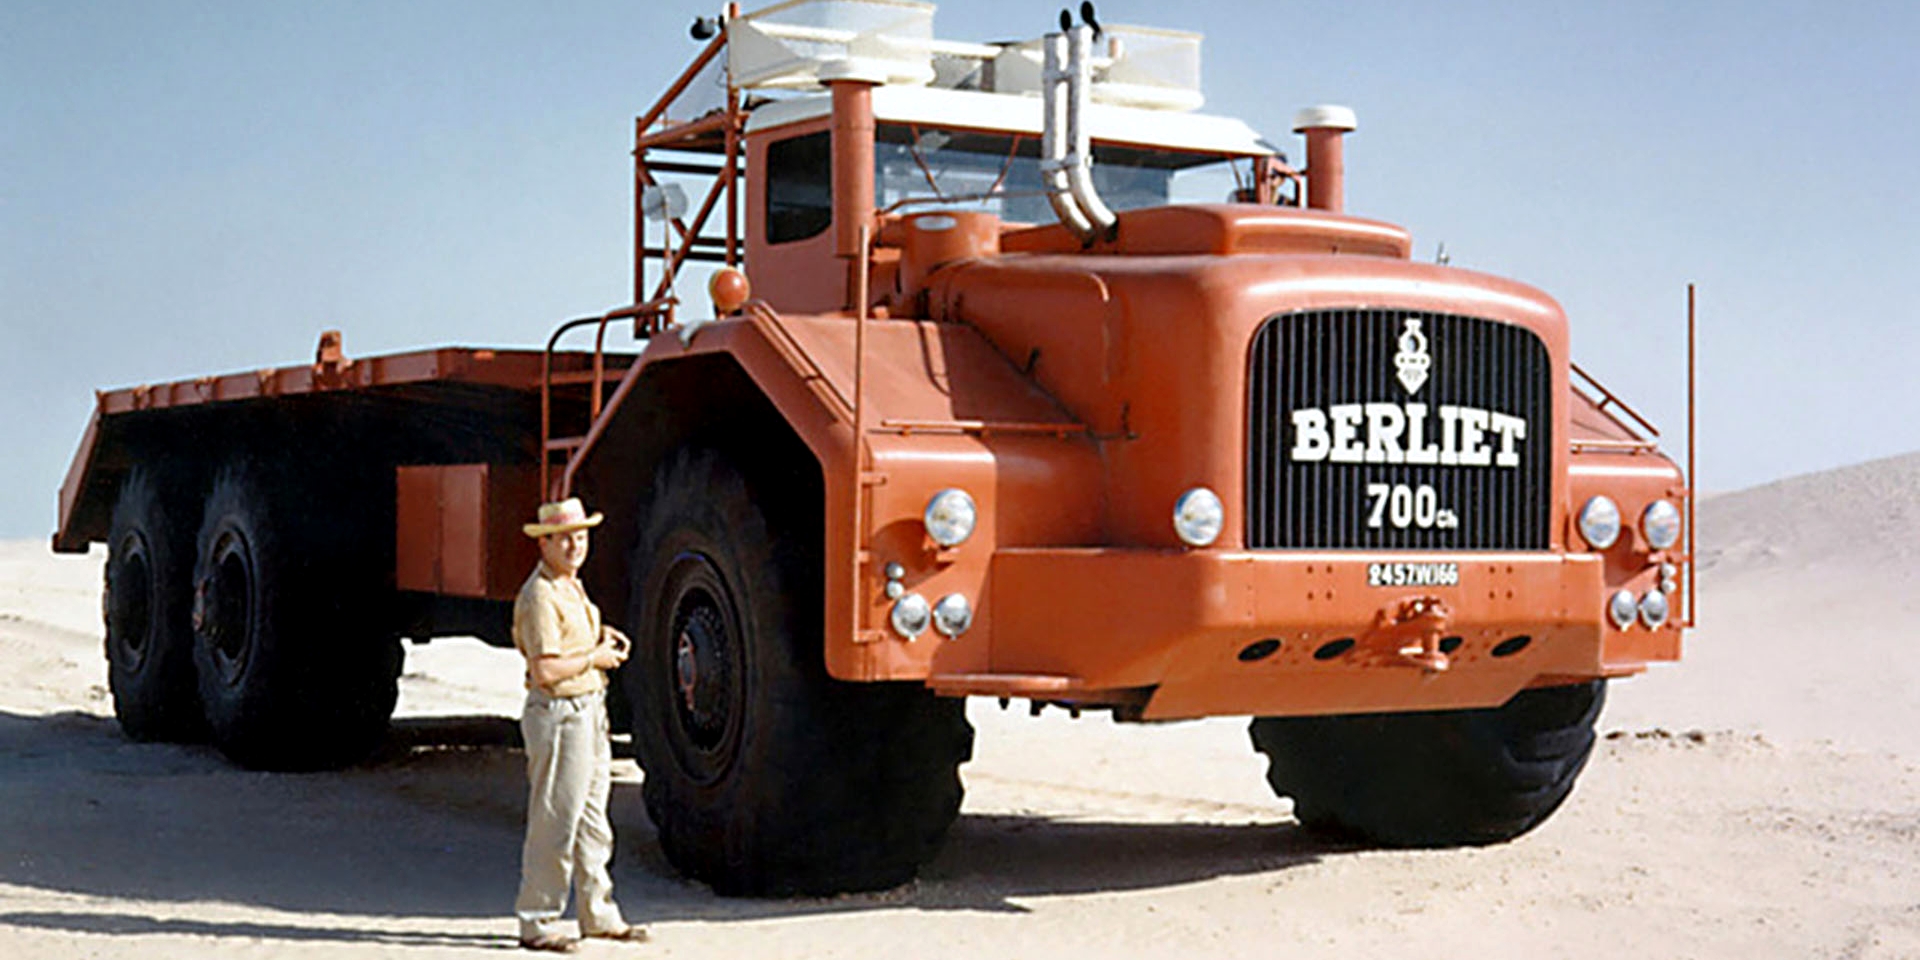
(1809, 613)
(1761, 799)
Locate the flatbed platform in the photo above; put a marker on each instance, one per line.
(481, 379)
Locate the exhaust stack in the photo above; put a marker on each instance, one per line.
(1066, 161)
(1325, 128)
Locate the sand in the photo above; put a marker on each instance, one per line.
(1761, 799)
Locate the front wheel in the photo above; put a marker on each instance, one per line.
(764, 775)
(1435, 779)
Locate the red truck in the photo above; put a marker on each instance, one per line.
(1022, 378)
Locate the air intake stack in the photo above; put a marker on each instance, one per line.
(1325, 128)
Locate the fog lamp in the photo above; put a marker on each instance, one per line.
(910, 615)
(1623, 608)
(1653, 609)
(952, 615)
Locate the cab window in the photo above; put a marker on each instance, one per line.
(799, 187)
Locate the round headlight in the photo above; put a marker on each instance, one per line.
(1600, 522)
(952, 615)
(1198, 516)
(1661, 524)
(950, 517)
(910, 615)
(1623, 608)
(1653, 609)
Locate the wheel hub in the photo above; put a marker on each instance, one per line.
(702, 650)
(686, 665)
(130, 601)
(228, 607)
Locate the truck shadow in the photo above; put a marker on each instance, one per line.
(431, 826)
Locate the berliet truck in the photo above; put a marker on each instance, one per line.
(1013, 375)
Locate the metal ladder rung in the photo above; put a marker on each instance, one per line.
(610, 378)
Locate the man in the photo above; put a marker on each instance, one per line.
(569, 758)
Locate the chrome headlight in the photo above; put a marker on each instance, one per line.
(1653, 609)
(950, 517)
(1600, 522)
(1661, 524)
(1198, 516)
(952, 615)
(1623, 608)
(910, 615)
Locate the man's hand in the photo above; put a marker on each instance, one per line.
(611, 653)
(620, 641)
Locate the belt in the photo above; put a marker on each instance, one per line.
(539, 694)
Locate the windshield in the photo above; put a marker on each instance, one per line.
(960, 167)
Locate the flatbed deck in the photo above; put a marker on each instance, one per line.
(441, 376)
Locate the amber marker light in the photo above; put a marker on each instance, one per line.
(729, 289)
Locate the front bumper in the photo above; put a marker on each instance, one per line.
(1182, 628)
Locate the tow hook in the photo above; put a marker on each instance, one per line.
(1408, 634)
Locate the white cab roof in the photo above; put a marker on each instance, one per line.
(970, 109)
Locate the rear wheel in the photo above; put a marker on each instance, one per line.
(295, 669)
(149, 586)
(1447, 778)
(764, 775)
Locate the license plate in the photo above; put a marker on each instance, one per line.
(1413, 574)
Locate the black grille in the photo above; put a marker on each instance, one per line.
(1326, 360)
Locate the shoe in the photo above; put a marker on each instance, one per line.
(551, 943)
(630, 933)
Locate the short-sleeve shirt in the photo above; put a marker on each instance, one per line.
(552, 615)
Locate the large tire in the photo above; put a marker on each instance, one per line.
(149, 599)
(296, 670)
(1438, 779)
(764, 775)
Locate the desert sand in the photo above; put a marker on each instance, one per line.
(1760, 799)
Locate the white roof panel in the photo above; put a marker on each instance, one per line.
(1020, 114)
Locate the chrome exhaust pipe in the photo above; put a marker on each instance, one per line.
(1066, 161)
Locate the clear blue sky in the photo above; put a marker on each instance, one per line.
(187, 188)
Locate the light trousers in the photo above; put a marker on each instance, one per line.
(569, 840)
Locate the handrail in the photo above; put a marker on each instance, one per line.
(1607, 397)
(861, 456)
(907, 427)
(595, 402)
(761, 314)
(1579, 445)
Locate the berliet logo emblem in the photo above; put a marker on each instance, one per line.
(1412, 360)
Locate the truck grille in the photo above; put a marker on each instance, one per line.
(1327, 480)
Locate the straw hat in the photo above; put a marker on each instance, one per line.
(562, 517)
